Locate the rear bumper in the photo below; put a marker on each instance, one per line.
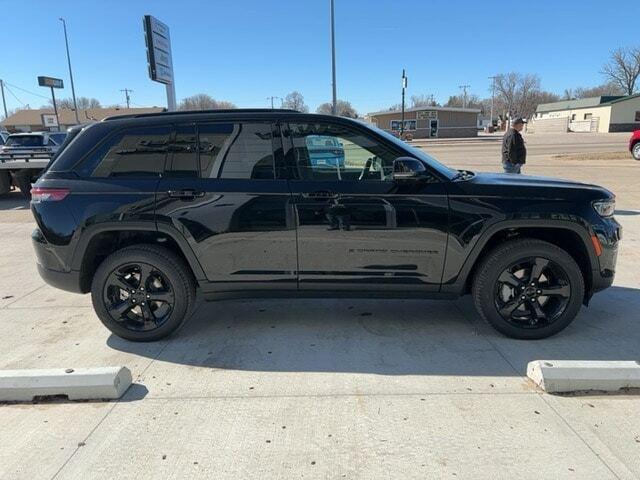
(51, 268)
(69, 281)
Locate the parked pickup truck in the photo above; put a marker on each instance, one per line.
(24, 156)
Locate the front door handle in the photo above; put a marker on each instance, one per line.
(188, 193)
(320, 195)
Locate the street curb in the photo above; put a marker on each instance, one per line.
(102, 383)
(564, 376)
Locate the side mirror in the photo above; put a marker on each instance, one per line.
(407, 168)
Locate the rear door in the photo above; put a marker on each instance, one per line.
(223, 193)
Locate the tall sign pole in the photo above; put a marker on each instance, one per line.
(404, 86)
(73, 90)
(493, 94)
(334, 103)
(159, 57)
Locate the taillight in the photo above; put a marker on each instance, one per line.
(42, 194)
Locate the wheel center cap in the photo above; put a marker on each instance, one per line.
(530, 291)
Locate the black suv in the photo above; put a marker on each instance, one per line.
(141, 210)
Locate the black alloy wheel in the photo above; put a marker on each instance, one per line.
(532, 293)
(143, 292)
(528, 288)
(139, 296)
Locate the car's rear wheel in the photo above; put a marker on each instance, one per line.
(635, 151)
(22, 179)
(143, 292)
(528, 289)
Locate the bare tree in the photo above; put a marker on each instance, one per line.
(202, 101)
(473, 101)
(519, 95)
(343, 108)
(83, 103)
(295, 101)
(599, 91)
(623, 68)
(423, 101)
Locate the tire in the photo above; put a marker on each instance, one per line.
(22, 179)
(635, 151)
(118, 292)
(5, 182)
(507, 284)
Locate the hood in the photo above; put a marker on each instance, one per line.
(530, 186)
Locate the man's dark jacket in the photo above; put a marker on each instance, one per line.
(513, 149)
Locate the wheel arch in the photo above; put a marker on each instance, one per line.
(99, 242)
(571, 237)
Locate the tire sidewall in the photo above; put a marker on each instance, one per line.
(127, 256)
(501, 260)
(635, 151)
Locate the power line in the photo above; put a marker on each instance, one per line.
(13, 94)
(26, 91)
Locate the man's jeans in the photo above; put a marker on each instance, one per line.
(511, 167)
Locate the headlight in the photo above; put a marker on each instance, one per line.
(605, 208)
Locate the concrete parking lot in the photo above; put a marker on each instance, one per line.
(329, 388)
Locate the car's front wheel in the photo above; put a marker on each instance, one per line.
(528, 289)
(143, 292)
(635, 151)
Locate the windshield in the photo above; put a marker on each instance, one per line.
(418, 153)
(25, 141)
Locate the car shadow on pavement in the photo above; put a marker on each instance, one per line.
(13, 201)
(399, 337)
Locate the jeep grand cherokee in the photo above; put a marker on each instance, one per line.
(141, 210)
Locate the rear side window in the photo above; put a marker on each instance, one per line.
(236, 150)
(135, 152)
(183, 159)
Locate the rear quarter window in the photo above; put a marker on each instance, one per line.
(137, 152)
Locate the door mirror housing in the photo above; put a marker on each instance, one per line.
(408, 168)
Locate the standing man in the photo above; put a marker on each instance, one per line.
(514, 153)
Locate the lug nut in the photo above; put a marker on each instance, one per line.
(148, 296)
(522, 297)
(539, 292)
(143, 303)
(133, 300)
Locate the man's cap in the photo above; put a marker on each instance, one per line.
(518, 120)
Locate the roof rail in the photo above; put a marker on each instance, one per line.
(198, 112)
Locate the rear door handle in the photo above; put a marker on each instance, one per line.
(320, 195)
(189, 193)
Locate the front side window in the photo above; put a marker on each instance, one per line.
(236, 150)
(135, 152)
(333, 152)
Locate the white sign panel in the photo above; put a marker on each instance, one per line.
(49, 120)
(158, 43)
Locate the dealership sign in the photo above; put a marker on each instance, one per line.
(426, 114)
(158, 44)
(50, 82)
(49, 120)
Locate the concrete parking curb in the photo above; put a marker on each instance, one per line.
(102, 383)
(564, 376)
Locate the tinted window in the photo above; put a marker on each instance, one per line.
(183, 161)
(58, 137)
(25, 141)
(333, 152)
(132, 152)
(236, 150)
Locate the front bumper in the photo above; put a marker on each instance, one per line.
(609, 233)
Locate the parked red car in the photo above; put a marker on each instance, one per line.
(634, 145)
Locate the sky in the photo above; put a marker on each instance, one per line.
(246, 50)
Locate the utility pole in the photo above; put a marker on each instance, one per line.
(404, 86)
(272, 98)
(334, 103)
(4, 103)
(493, 94)
(126, 95)
(73, 90)
(464, 95)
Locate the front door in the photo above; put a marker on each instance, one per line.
(358, 229)
(222, 193)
